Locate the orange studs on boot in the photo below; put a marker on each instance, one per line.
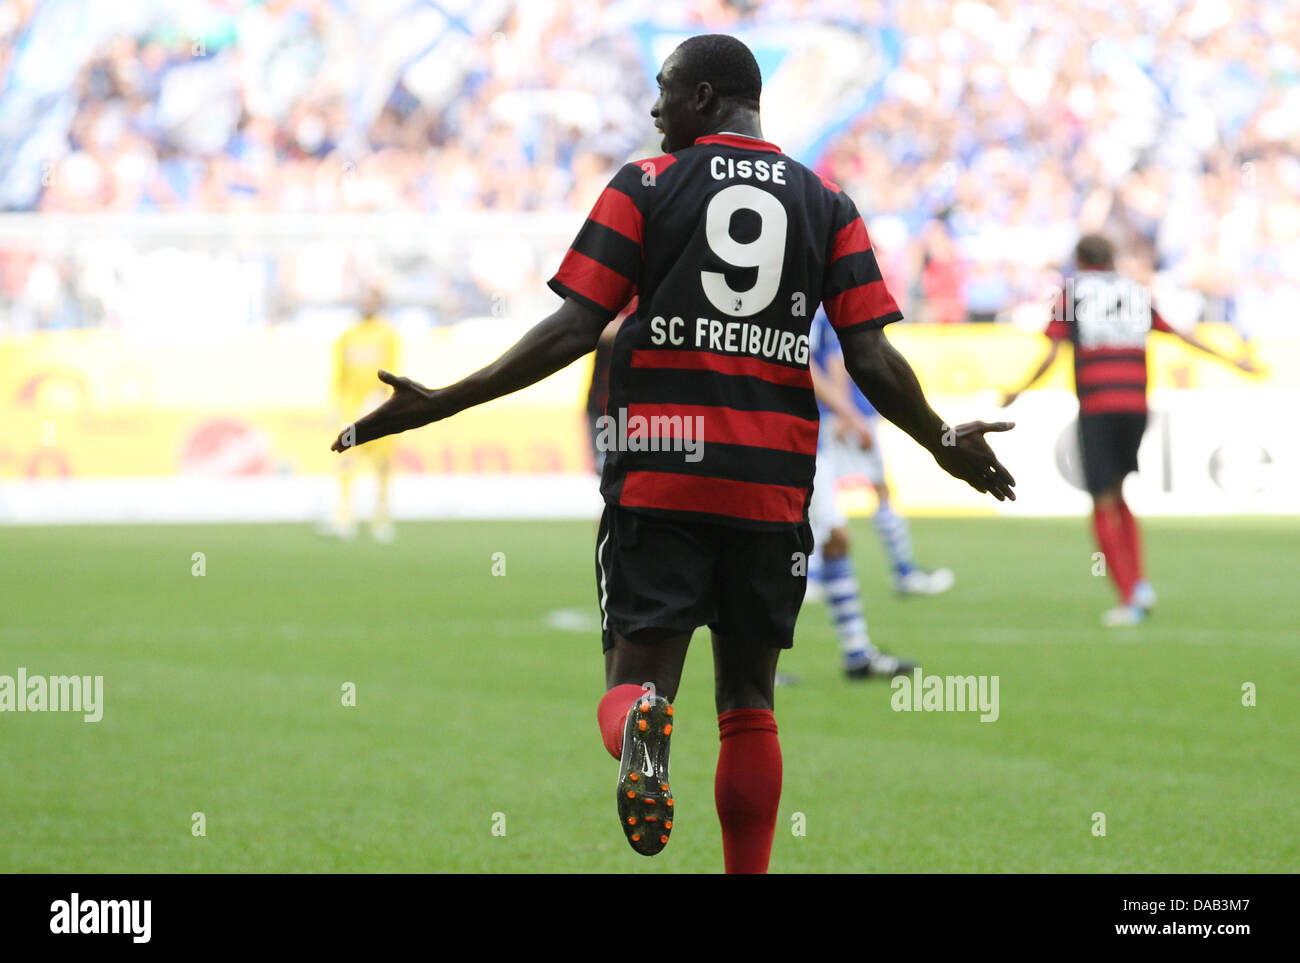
(634, 776)
(669, 710)
(668, 729)
(642, 725)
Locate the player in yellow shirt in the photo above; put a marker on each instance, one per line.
(361, 350)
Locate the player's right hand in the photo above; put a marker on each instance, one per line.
(411, 405)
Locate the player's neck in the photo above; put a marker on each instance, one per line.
(742, 122)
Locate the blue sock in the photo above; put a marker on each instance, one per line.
(816, 566)
(896, 536)
(845, 603)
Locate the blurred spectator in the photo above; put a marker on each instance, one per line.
(941, 276)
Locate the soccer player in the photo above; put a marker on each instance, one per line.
(725, 241)
(369, 344)
(1107, 318)
(830, 568)
(848, 445)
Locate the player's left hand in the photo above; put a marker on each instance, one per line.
(856, 432)
(411, 405)
(1245, 364)
(963, 453)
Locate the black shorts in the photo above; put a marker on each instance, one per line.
(1109, 444)
(659, 572)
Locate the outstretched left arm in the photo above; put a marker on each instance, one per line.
(891, 385)
(1244, 364)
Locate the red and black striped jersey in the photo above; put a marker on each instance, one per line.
(1107, 318)
(729, 246)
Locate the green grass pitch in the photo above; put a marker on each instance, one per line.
(223, 695)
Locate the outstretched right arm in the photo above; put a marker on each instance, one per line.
(890, 384)
(1242, 364)
(555, 343)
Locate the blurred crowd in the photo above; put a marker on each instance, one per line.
(1008, 128)
(1004, 129)
(294, 106)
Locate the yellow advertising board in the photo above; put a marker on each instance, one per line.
(94, 404)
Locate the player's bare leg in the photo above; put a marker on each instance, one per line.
(747, 787)
(343, 524)
(636, 722)
(652, 655)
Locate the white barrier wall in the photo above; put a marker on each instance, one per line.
(1206, 452)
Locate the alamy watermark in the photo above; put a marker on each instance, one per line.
(946, 693)
(55, 693)
(684, 433)
(129, 917)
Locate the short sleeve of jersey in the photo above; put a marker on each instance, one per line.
(853, 291)
(602, 266)
(1057, 329)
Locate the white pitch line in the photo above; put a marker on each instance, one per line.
(573, 620)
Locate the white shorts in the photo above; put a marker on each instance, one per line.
(838, 459)
(824, 515)
(848, 459)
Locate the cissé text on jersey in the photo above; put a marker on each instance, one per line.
(728, 168)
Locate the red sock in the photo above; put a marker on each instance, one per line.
(611, 714)
(1133, 539)
(747, 787)
(1109, 528)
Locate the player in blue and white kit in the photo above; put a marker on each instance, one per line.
(847, 445)
(831, 575)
